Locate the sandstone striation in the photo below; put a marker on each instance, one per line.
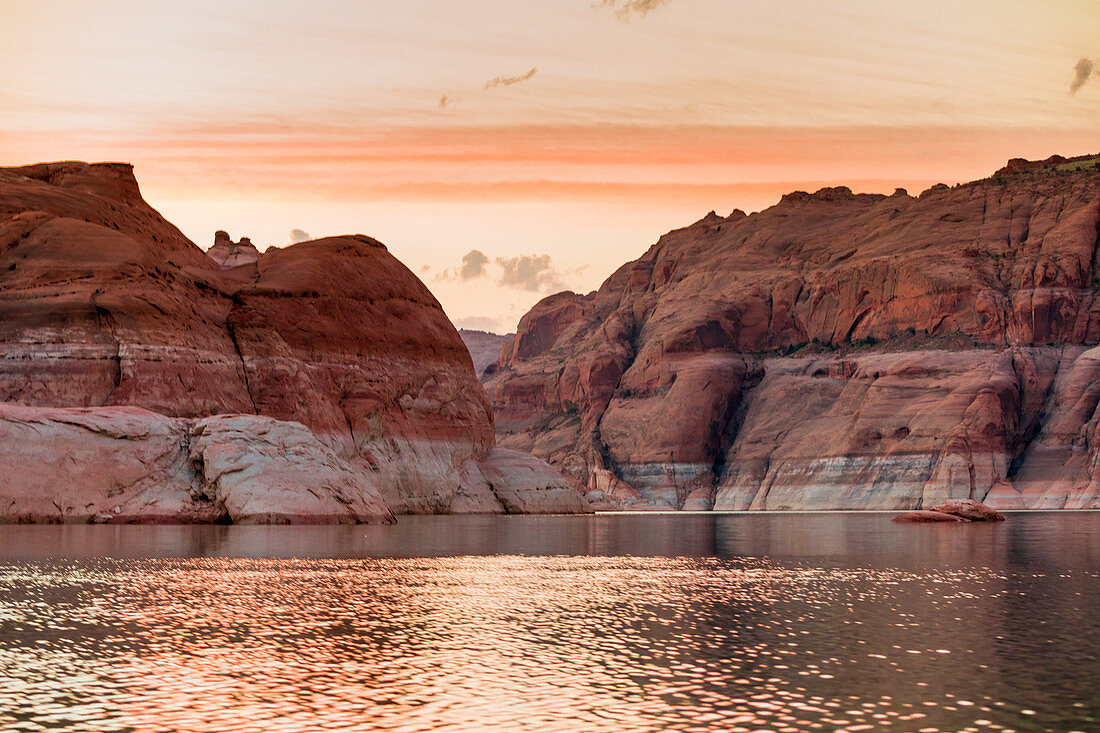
(836, 351)
(104, 304)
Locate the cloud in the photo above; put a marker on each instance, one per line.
(447, 102)
(473, 265)
(533, 273)
(624, 9)
(529, 272)
(299, 235)
(508, 81)
(1082, 70)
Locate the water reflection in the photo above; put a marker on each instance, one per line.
(779, 623)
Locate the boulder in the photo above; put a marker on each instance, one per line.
(975, 511)
(924, 516)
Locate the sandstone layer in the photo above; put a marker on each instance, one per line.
(105, 304)
(836, 351)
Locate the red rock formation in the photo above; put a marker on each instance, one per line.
(104, 303)
(837, 350)
(229, 254)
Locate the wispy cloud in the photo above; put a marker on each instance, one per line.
(1082, 70)
(625, 9)
(507, 81)
(447, 102)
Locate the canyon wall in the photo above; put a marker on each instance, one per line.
(835, 351)
(104, 304)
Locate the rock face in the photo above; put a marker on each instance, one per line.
(836, 351)
(229, 254)
(126, 464)
(484, 347)
(105, 304)
(259, 470)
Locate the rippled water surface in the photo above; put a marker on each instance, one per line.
(605, 623)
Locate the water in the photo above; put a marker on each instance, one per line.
(608, 623)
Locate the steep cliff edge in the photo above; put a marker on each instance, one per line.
(104, 304)
(835, 351)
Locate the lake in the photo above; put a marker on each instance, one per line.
(688, 622)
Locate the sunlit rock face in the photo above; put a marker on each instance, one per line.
(103, 303)
(835, 351)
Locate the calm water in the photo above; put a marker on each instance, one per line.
(607, 623)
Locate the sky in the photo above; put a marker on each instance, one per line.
(505, 149)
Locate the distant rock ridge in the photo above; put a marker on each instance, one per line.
(835, 351)
(484, 347)
(105, 306)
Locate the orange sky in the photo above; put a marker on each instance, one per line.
(569, 132)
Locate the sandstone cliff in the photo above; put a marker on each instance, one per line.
(104, 304)
(835, 351)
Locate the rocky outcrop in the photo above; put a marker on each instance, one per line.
(126, 464)
(484, 347)
(952, 510)
(526, 485)
(255, 469)
(969, 509)
(835, 351)
(927, 516)
(103, 303)
(229, 254)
